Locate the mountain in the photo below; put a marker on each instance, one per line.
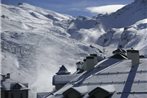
(124, 28)
(35, 44)
(36, 41)
(128, 15)
(105, 9)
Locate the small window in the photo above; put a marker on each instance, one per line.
(6, 94)
(109, 96)
(92, 96)
(100, 93)
(21, 95)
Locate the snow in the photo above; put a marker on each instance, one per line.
(36, 41)
(136, 11)
(116, 78)
(105, 9)
(109, 88)
(33, 46)
(63, 79)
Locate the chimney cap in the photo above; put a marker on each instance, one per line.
(95, 55)
(90, 57)
(133, 51)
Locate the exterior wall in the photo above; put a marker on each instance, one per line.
(14, 94)
(59, 86)
(134, 56)
(89, 64)
(95, 58)
(91, 61)
(43, 94)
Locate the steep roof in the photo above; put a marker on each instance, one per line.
(129, 81)
(63, 79)
(12, 85)
(62, 71)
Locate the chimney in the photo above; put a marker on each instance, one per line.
(79, 65)
(134, 56)
(89, 63)
(95, 58)
(8, 76)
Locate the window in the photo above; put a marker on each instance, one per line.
(100, 93)
(21, 95)
(6, 94)
(92, 96)
(12, 96)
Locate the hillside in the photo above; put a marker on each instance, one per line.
(36, 41)
(35, 44)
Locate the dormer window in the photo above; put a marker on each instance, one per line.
(92, 91)
(72, 93)
(102, 92)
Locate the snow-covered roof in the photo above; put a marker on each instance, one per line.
(88, 88)
(63, 79)
(12, 85)
(129, 81)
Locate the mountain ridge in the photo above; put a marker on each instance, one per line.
(35, 40)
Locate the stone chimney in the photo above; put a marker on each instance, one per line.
(134, 56)
(89, 63)
(95, 58)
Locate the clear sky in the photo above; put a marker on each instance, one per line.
(71, 7)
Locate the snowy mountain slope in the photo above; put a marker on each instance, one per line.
(35, 41)
(125, 27)
(35, 45)
(35, 19)
(126, 16)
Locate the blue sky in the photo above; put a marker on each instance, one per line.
(71, 7)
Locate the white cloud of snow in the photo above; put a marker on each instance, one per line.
(104, 9)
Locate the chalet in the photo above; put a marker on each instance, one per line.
(62, 77)
(12, 89)
(119, 76)
(89, 62)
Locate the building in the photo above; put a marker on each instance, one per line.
(12, 89)
(110, 78)
(88, 63)
(61, 78)
(43, 94)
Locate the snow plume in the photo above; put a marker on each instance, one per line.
(36, 42)
(106, 9)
